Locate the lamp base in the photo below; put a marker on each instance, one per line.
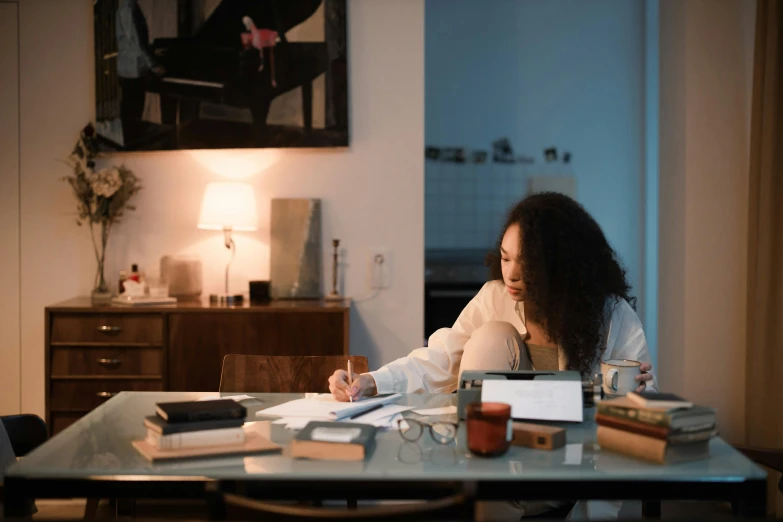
(226, 299)
(333, 296)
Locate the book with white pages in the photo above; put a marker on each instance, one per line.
(325, 407)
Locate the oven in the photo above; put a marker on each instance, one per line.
(451, 279)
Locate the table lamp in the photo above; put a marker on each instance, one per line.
(228, 206)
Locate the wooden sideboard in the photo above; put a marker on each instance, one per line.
(95, 352)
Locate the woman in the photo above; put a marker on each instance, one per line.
(559, 300)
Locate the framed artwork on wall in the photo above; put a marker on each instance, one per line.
(211, 74)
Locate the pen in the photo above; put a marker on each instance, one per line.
(350, 381)
(365, 412)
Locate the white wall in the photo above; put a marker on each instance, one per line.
(9, 209)
(706, 77)
(558, 72)
(372, 192)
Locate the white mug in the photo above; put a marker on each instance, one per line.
(620, 376)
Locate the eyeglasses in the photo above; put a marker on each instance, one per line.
(441, 432)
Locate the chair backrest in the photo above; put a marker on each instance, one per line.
(459, 505)
(283, 374)
(769, 457)
(25, 432)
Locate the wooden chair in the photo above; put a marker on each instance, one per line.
(772, 458)
(224, 505)
(25, 432)
(283, 374)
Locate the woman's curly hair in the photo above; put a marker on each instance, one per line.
(570, 273)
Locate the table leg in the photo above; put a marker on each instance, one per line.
(126, 508)
(751, 499)
(91, 509)
(651, 509)
(16, 506)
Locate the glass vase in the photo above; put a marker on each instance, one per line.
(101, 294)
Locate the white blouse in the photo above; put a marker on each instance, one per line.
(435, 369)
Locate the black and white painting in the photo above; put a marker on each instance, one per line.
(206, 74)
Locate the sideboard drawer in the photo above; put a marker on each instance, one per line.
(60, 421)
(144, 329)
(109, 360)
(94, 352)
(83, 395)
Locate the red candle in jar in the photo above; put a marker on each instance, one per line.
(489, 428)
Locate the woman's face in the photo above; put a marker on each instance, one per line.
(511, 263)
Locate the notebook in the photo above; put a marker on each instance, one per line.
(157, 424)
(668, 401)
(195, 411)
(323, 440)
(649, 448)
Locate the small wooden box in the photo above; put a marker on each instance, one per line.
(538, 436)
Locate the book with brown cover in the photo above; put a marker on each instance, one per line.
(705, 432)
(676, 419)
(326, 440)
(642, 428)
(650, 449)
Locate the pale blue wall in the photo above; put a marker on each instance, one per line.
(568, 73)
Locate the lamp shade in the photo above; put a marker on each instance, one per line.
(228, 205)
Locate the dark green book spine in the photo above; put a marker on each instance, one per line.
(656, 418)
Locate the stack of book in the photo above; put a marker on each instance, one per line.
(659, 428)
(199, 428)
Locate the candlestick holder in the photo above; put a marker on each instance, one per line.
(334, 295)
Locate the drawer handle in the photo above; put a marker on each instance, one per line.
(109, 363)
(106, 395)
(109, 329)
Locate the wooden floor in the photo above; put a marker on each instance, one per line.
(74, 510)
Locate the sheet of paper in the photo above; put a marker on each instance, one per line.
(386, 417)
(381, 414)
(390, 423)
(294, 423)
(236, 398)
(573, 454)
(325, 407)
(445, 410)
(537, 399)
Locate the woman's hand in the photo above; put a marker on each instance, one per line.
(362, 386)
(644, 376)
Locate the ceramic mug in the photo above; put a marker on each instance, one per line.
(620, 376)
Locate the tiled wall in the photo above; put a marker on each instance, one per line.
(465, 203)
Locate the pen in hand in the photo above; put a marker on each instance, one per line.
(350, 381)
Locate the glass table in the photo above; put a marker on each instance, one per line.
(94, 458)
